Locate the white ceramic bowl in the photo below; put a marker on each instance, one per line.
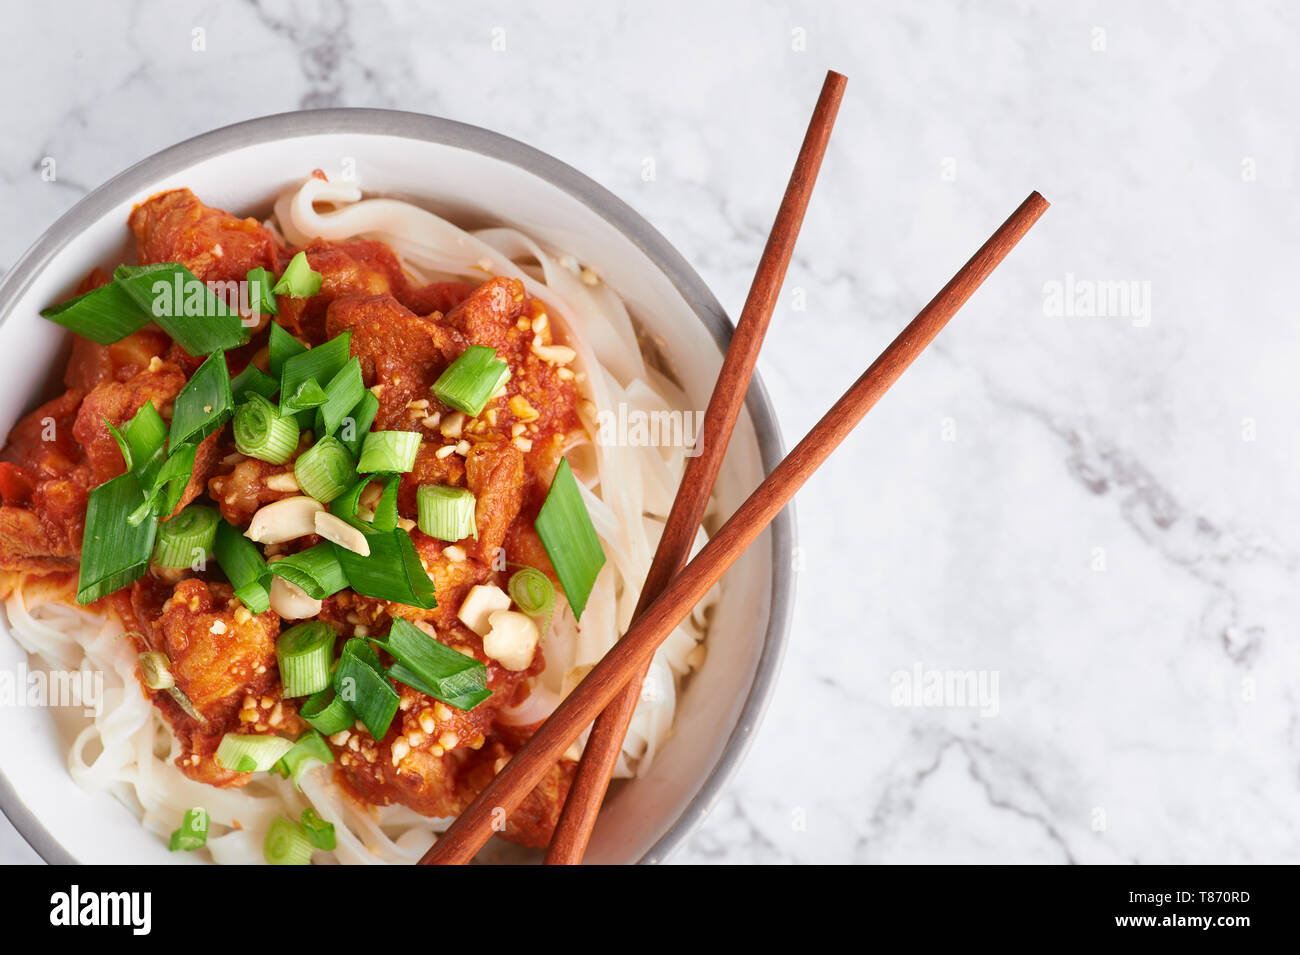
(473, 176)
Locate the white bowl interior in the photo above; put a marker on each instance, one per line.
(94, 827)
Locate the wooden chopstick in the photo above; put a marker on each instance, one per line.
(606, 740)
(627, 657)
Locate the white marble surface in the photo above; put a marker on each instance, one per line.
(1101, 510)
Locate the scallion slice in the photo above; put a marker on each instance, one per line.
(162, 496)
(260, 283)
(347, 505)
(533, 591)
(244, 567)
(193, 832)
(187, 707)
(466, 702)
(147, 433)
(471, 379)
(104, 315)
(252, 380)
(204, 403)
(341, 396)
(306, 396)
(251, 753)
(385, 518)
(319, 832)
(325, 470)
(360, 682)
(392, 571)
(299, 279)
(280, 347)
(286, 843)
(305, 653)
(327, 712)
(262, 432)
(141, 441)
(316, 571)
(570, 539)
(321, 363)
(186, 539)
(446, 513)
(310, 746)
(156, 670)
(356, 423)
(388, 452)
(114, 552)
(184, 307)
(436, 670)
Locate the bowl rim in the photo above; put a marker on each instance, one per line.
(598, 199)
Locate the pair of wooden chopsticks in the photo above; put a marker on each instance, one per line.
(673, 587)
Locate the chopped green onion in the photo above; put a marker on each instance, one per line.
(185, 308)
(327, 712)
(204, 403)
(252, 380)
(299, 279)
(466, 702)
(310, 746)
(347, 505)
(260, 283)
(114, 552)
(186, 539)
(392, 571)
(193, 832)
(316, 571)
(341, 396)
(360, 682)
(156, 670)
(432, 668)
(319, 832)
(164, 494)
(388, 452)
(280, 347)
(256, 596)
(385, 518)
(533, 591)
(356, 424)
(141, 441)
(305, 653)
(413, 678)
(286, 843)
(251, 753)
(306, 396)
(146, 433)
(123, 445)
(244, 567)
(104, 315)
(446, 513)
(262, 432)
(570, 539)
(321, 363)
(325, 470)
(471, 380)
(186, 706)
